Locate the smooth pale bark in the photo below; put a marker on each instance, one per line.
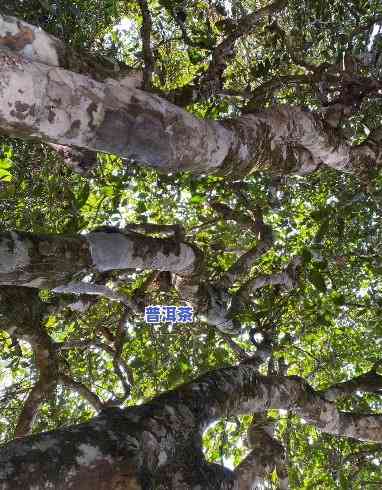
(34, 44)
(42, 261)
(158, 444)
(60, 106)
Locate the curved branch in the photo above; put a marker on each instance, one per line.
(22, 311)
(225, 51)
(267, 454)
(140, 435)
(83, 344)
(83, 391)
(370, 382)
(240, 390)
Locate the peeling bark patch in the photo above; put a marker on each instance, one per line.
(21, 111)
(91, 110)
(51, 115)
(114, 130)
(18, 41)
(21, 106)
(14, 253)
(89, 454)
(74, 130)
(30, 41)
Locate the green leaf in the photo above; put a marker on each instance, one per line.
(197, 199)
(82, 196)
(5, 176)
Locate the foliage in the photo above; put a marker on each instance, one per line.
(327, 330)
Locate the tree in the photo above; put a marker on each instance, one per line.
(116, 118)
(271, 235)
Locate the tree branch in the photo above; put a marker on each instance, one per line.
(119, 436)
(370, 382)
(52, 261)
(21, 314)
(82, 390)
(286, 278)
(146, 44)
(225, 51)
(83, 344)
(267, 454)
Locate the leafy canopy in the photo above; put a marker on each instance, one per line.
(326, 330)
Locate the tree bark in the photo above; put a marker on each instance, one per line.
(267, 455)
(42, 261)
(66, 108)
(34, 44)
(158, 444)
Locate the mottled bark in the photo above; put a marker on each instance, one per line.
(40, 261)
(158, 444)
(267, 455)
(66, 108)
(370, 382)
(34, 44)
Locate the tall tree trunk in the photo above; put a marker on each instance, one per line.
(158, 445)
(64, 107)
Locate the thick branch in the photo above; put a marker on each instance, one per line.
(241, 390)
(120, 446)
(370, 382)
(34, 44)
(39, 261)
(115, 118)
